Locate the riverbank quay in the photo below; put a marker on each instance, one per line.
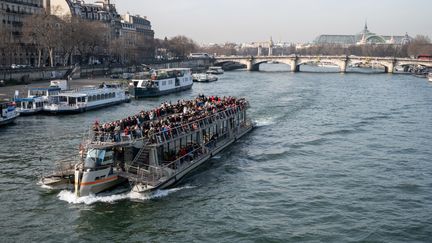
(14, 76)
(8, 92)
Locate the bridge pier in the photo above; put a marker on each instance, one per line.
(294, 65)
(390, 67)
(343, 67)
(250, 66)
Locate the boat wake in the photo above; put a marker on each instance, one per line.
(265, 121)
(70, 197)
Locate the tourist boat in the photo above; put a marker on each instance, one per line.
(162, 82)
(35, 100)
(8, 113)
(151, 159)
(204, 77)
(87, 98)
(215, 70)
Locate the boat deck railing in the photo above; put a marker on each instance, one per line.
(161, 137)
(150, 175)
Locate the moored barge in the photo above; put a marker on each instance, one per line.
(162, 82)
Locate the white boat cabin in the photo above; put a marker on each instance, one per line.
(165, 79)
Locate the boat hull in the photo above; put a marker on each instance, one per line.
(88, 183)
(82, 109)
(145, 93)
(29, 112)
(7, 121)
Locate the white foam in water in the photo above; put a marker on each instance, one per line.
(265, 121)
(70, 197)
(45, 186)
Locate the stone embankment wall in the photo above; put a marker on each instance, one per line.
(32, 74)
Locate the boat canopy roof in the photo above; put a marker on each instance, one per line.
(89, 91)
(5, 104)
(71, 95)
(24, 99)
(46, 89)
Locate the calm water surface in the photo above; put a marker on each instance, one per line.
(334, 158)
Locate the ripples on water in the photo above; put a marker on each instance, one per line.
(333, 158)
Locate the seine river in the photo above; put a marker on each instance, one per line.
(334, 158)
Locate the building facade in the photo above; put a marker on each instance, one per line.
(131, 36)
(362, 38)
(137, 38)
(14, 49)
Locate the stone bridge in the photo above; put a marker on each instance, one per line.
(389, 63)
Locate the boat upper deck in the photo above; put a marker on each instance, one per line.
(163, 123)
(90, 91)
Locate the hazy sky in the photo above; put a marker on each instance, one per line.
(220, 21)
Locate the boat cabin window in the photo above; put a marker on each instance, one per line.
(62, 98)
(98, 157)
(53, 92)
(72, 100)
(37, 92)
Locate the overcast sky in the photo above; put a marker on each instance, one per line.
(218, 21)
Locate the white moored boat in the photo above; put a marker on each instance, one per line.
(34, 102)
(204, 77)
(215, 70)
(84, 99)
(8, 113)
(153, 156)
(162, 82)
(430, 77)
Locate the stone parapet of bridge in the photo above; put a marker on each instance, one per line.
(294, 61)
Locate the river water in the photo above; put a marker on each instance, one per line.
(334, 158)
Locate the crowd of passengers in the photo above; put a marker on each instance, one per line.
(165, 118)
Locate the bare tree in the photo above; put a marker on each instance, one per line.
(420, 45)
(91, 38)
(181, 46)
(43, 31)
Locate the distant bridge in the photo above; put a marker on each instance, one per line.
(389, 63)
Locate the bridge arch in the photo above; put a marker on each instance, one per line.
(341, 64)
(387, 66)
(258, 63)
(231, 64)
